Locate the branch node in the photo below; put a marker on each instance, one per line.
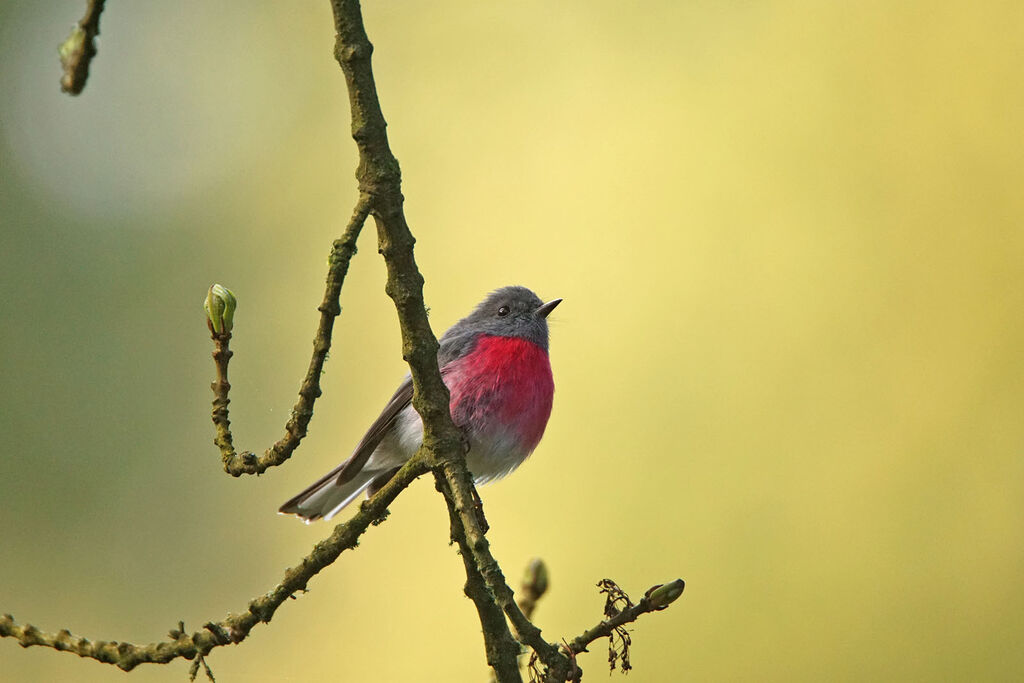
(219, 633)
(178, 632)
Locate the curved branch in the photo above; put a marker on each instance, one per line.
(234, 628)
(237, 464)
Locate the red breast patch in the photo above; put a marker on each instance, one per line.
(503, 383)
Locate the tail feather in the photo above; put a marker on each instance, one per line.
(326, 498)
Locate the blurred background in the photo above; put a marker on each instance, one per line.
(789, 362)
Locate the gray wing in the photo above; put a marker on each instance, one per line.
(453, 344)
(401, 399)
(347, 470)
(451, 347)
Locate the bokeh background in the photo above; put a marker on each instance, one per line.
(789, 238)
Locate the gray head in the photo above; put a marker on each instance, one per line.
(507, 312)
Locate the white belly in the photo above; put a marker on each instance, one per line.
(493, 451)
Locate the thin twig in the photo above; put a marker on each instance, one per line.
(77, 51)
(620, 611)
(234, 628)
(237, 464)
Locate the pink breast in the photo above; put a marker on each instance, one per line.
(504, 384)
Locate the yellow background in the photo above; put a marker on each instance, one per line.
(788, 364)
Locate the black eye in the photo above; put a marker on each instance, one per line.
(503, 311)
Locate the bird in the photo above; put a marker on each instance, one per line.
(495, 364)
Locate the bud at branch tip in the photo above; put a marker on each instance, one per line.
(535, 579)
(220, 308)
(664, 595)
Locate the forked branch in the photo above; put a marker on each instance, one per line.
(442, 451)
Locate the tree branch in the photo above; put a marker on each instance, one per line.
(532, 588)
(620, 611)
(237, 464)
(77, 51)
(502, 649)
(442, 451)
(379, 176)
(234, 628)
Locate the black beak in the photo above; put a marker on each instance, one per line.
(543, 311)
